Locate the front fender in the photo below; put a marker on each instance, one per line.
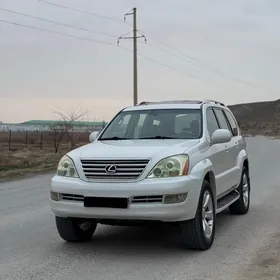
(201, 169)
(198, 173)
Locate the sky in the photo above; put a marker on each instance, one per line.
(223, 50)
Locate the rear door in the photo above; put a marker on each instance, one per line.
(236, 145)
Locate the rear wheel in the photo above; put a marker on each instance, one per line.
(199, 232)
(241, 206)
(75, 229)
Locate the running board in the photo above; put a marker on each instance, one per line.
(226, 201)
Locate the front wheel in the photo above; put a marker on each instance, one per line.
(199, 232)
(75, 229)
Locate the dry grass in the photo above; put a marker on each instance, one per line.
(25, 161)
(32, 152)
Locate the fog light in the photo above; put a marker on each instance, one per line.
(55, 196)
(175, 198)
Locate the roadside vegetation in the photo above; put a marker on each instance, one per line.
(22, 162)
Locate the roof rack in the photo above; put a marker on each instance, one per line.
(213, 101)
(180, 102)
(171, 102)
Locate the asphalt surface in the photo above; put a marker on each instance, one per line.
(246, 247)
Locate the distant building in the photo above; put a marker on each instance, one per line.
(46, 125)
(3, 127)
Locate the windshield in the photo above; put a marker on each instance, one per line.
(155, 124)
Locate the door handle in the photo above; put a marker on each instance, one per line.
(226, 148)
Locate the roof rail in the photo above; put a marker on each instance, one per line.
(181, 101)
(171, 102)
(214, 101)
(144, 103)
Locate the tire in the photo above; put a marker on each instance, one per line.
(74, 229)
(192, 233)
(242, 205)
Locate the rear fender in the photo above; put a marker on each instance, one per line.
(242, 156)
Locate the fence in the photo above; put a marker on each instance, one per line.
(40, 140)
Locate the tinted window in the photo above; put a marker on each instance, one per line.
(232, 122)
(212, 124)
(172, 123)
(221, 119)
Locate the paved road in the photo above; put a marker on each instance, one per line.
(246, 247)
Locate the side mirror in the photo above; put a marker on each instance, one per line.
(221, 136)
(93, 136)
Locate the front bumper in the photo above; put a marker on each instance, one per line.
(157, 211)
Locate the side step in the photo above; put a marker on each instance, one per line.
(227, 200)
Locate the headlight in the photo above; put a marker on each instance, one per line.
(170, 167)
(66, 168)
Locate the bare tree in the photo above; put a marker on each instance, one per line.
(64, 127)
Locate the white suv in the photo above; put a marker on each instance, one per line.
(179, 162)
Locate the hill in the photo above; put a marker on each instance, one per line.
(268, 111)
(259, 118)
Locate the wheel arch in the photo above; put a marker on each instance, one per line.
(246, 164)
(204, 170)
(210, 177)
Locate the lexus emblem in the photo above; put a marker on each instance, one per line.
(111, 169)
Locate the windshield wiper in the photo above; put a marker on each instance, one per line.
(114, 138)
(158, 137)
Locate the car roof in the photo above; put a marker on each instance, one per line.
(173, 104)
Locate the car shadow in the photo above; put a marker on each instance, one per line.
(126, 241)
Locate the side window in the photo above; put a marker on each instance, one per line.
(212, 124)
(221, 119)
(232, 122)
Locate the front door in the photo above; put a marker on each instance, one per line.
(218, 155)
(230, 152)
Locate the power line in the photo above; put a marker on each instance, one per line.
(186, 57)
(173, 54)
(57, 33)
(180, 55)
(57, 23)
(100, 42)
(177, 70)
(174, 69)
(198, 63)
(80, 11)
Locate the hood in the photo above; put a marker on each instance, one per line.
(145, 148)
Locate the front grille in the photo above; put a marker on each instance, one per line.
(147, 199)
(72, 197)
(114, 169)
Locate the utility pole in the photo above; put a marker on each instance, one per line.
(134, 37)
(135, 81)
